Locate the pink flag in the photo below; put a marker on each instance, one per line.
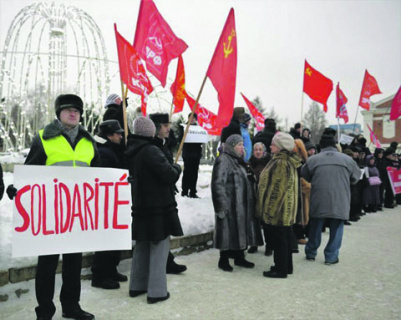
(341, 111)
(373, 138)
(396, 106)
(132, 71)
(206, 118)
(369, 88)
(155, 42)
(258, 116)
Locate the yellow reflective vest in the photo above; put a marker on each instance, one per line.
(60, 153)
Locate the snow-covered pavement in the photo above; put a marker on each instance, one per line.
(366, 284)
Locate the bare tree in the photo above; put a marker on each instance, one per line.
(315, 121)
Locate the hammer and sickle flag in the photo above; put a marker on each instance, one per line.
(222, 70)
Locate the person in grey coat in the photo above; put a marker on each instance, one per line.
(234, 201)
(331, 174)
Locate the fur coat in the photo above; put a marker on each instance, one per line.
(278, 190)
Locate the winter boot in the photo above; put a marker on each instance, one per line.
(240, 261)
(224, 264)
(172, 267)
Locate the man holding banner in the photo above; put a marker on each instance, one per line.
(62, 143)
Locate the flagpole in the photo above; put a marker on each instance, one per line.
(124, 94)
(356, 116)
(190, 120)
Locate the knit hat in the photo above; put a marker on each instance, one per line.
(284, 141)
(64, 101)
(327, 140)
(246, 117)
(111, 99)
(297, 126)
(234, 139)
(270, 123)
(109, 127)
(309, 145)
(145, 127)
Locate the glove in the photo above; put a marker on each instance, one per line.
(221, 214)
(11, 191)
(178, 167)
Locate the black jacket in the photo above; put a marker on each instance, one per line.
(266, 137)
(190, 150)
(152, 178)
(232, 128)
(109, 153)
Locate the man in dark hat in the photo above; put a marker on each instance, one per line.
(329, 200)
(104, 266)
(191, 155)
(266, 135)
(162, 124)
(47, 149)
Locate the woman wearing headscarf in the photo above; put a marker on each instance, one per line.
(258, 161)
(234, 200)
(278, 202)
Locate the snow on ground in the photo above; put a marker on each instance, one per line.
(364, 285)
(196, 215)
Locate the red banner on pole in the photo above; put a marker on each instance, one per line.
(341, 111)
(395, 111)
(178, 87)
(316, 85)
(132, 71)
(222, 70)
(155, 42)
(256, 114)
(373, 138)
(206, 118)
(369, 88)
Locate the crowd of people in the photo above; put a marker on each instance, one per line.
(278, 190)
(299, 189)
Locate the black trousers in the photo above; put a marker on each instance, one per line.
(388, 194)
(190, 175)
(105, 264)
(45, 283)
(281, 242)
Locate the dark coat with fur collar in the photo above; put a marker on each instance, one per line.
(234, 203)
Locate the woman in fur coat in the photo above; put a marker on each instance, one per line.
(234, 201)
(278, 202)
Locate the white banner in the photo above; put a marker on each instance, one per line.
(196, 134)
(70, 209)
(345, 139)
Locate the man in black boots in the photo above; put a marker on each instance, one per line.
(162, 123)
(104, 266)
(191, 154)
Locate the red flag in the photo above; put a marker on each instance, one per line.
(206, 118)
(259, 118)
(369, 88)
(178, 87)
(132, 71)
(222, 70)
(341, 111)
(396, 106)
(317, 86)
(373, 138)
(155, 42)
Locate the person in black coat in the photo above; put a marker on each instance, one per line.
(152, 178)
(388, 161)
(191, 154)
(234, 125)
(266, 135)
(164, 141)
(104, 266)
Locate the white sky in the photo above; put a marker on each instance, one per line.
(339, 38)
